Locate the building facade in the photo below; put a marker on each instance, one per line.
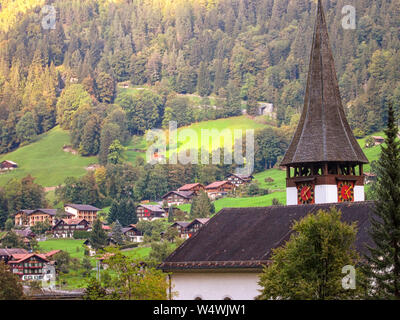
(82, 211)
(65, 228)
(150, 212)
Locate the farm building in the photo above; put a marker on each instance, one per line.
(219, 189)
(150, 212)
(8, 165)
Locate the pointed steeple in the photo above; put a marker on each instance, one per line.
(323, 133)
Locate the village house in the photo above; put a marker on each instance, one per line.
(225, 258)
(26, 235)
(29, 218)
(6, 254)
(219, 189)
(65, 228)
(28, 266)
(150, 212)
(369, 177)
(178, 197)
(181, 226)
(195, 226)
(8, 165)
(378, 140)
(82, 211)
(132, 234)
(239, 179)
(195, 187)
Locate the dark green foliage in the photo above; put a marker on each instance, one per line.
(201, 206)
(10, 286)
(309, 266)
(384, 258)
(116, 232)
(81, 234)
(123, 211)
(41, 227)
(98, 237)
(94, 291)
(3, 209)
(12, 240)
(26, 129)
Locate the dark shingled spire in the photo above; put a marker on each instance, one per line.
(323, 134)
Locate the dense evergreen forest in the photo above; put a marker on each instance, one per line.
(253, 50)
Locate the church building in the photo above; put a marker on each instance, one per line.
(324, 168)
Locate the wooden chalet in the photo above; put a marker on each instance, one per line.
(82, 211)
(178, 197)
(181, 226)
(378, 140)
(219, 189)
(150, 212)
(239, 179)
(28, 266)
(195, 187)
(8, 165)
(65, 228)
(195, 226)
(132, 234)
(25, 234)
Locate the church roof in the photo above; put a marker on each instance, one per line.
(243, 238)
(323, 133)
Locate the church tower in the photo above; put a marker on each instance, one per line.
(324, 163)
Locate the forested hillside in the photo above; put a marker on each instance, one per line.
(232, 49)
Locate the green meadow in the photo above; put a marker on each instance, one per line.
(46, 161)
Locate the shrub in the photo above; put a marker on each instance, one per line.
(81, 234)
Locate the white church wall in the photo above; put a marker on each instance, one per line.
(326, 193)
(215, 286)
(359, 194)
(291, 196)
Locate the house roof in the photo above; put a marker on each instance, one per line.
(241, 176)
(51, 253)
(200, 220)
(323, 133)
(50, 212)
(25, 233)
(11, 251)
(188, 187)
(245, 237)
(183, 224)
(152, 207)
(217, 184)
(183, 194)
(83, 207)
(17, 258)
(10, 162)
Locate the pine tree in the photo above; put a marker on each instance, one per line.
(201, 206)
(171, 214)
(117, 234)
(98, 237)
(384, 259)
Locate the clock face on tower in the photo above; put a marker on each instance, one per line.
(346, 191)
(305, 193)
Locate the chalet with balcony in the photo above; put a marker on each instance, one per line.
(150, 212)
(65, 228)
(82, 211)
(132, 234)
(178, 197)
(195, 187)
(181, 226)
(29, 218)
(239, 179)
(28, 266)
(195, 226)
(219, 189)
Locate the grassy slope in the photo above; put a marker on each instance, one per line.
(46, 161)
